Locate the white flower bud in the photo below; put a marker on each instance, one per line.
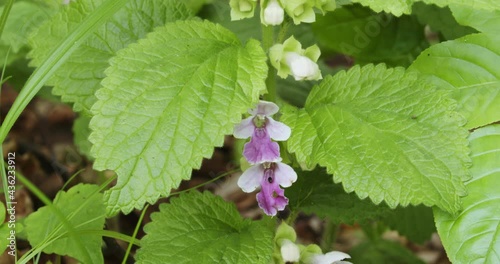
(301, 67)
(290, 252)
(273, 13)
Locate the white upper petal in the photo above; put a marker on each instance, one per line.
(329, 258)
(250, 179)
(273, 13)
(301, 67)
(264, 108)
(290, 252)
(284, 175)
(245, 128)
(277, 130)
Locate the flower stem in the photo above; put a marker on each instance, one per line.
(329, 235)
(267, 42)
(283, 29)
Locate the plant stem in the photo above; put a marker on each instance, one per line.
(283, 29)
(136, 230)
(268, 42)
(329, 235)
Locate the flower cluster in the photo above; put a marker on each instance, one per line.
(272, 12)
(266, 171)
(290, 252)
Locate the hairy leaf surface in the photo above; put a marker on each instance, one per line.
(167, 101)
(385, 134)
(77, 80)
(203, 228)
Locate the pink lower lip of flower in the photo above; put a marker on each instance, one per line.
(261, 148)
(271, 198)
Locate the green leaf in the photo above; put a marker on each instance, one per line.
(81, 132)
(203, 228)
(383, 251)
(385, 134)
(469, 68)
(395, 7)
(482, 20)
(440, 19)
(315, 193)
(185, 85)
(83, 207)
(399, 7)
(473, 235)
(368, 37)
(79, 77)
(24, 17)
(471, 4)
(4, 236)
(414, 222)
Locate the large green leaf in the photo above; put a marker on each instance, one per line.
(24, 17)
(83, 207)
(396, 7)
(167, 101)
(370, 37)
(79, 77)
(315, 193)
(469, 68)
(399, 7)
(473, 235)
(385, 134)
(482, 20)
(440, 19)
(471, 4)
(203, 228)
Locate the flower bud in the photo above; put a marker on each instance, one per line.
(290, 59)
(242, 8)
(273, 13)
(301, 67)
(300, 11)
(325, 5)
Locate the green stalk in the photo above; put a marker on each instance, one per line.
(58, 56)
(207, 182)
(5, 15)
(136, 230)
(268, 42)
(329, 235)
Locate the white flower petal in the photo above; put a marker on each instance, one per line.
(244, 129)
(264, 108)
(290, 252)
(329, 258)
(273, 13)
(284, 175)
(277, 130)
(301, 67)
(250, 179)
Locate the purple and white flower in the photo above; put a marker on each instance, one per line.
(269, 176)
(262, 128)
